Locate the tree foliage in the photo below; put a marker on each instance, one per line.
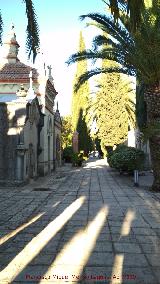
(113, 106)
(67, 131)
(138, 54)
(84, 139)
(80, 100)
(32, 30)
(132, 9)
(113, 109)
(80, 97)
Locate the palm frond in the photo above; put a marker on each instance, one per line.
(89, 54)
(86, 76)
(100, 40)
(107, 24)
(132, 7)
(137, 53)
(32, 41)
(135, 9)
(1, 27)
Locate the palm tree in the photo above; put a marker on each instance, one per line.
(138, 54)
(32, 30)
(133, 8)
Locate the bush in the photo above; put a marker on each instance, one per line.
(77, 159)
(120, 148)
(67, 154)
(110, 151)
(127, 159)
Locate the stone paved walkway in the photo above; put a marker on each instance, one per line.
(90, 226)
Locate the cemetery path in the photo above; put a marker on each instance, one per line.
(80, 225)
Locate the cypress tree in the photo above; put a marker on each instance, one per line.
(111, 112)
(80, 101)
(113, 108)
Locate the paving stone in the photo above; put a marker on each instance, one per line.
(73, 229)
(125, 239)
(115, 229)
(97, 274)
(51, 247)
(142, 275)
(157, 231)
(153, 259)
(24, 237)
(155, 225)
(103, 246)
(32, 230)
(81, 223)
(43, 259)
(139, 275)
(144, 231)
(150, 248)
(115, 218)
(126, 247)
(115, 213)
(67, 237)
(140, 248)
(29, 274)
(135, 260)
(104, 237)
(80, 217)
(156, 271)
(140, 224)
(114, 223)
(148, 239)
(101, 259)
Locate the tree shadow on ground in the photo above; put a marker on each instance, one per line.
(110, 239)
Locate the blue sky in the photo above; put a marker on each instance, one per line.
(59, 31)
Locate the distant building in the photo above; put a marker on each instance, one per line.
(29, 126)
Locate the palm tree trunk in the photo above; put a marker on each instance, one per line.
(154, 143)
(152, 98)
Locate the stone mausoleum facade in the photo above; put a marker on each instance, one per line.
(30, 129)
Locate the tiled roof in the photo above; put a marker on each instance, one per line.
(17, 72)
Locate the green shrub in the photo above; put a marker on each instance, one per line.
(109, 158)
(77, 159)
(67, 154)
(110, 152)
(127, 159)
(121, 148)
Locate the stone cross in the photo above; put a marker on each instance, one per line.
(50, 72)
